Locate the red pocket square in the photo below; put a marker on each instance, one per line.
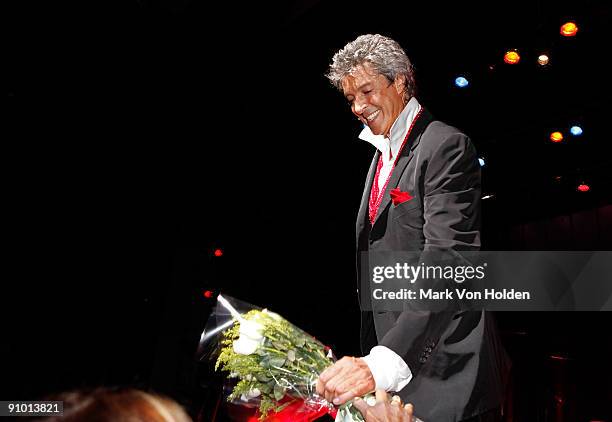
(399, 197)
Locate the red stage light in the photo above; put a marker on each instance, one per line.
(556, 136)
(583, 187)
(208, 294)
(512, 57)
(557, 357)
(218, 252)
(569, 29)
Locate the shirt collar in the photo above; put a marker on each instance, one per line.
(396, 134)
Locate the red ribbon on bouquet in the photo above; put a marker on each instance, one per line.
(298, 412)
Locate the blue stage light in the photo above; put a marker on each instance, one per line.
(576, 130)
(461, 82)
(481, 161)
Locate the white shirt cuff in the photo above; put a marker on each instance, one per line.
(389, 370)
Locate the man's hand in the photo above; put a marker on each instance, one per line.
(348, 378)
(383, 410)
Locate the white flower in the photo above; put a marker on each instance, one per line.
(272, 314)
(251, 329)
(253, 393)
(250, 337)
(246, 345)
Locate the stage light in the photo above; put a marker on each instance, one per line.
(512, 57)
(218, 252)
(569, 29)
(481, 161)
(208, 294)
(576, 130)
(487, 196)
(583, 187)
(556, 136)
(461, 82)
(542, 59)
(557, 357)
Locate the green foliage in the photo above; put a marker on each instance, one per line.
(288, 362)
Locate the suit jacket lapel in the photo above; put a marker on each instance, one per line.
(405, 156)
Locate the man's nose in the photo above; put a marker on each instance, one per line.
(360, 106)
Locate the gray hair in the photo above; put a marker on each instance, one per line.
(383, 54)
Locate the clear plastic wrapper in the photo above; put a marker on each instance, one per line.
(273, 364)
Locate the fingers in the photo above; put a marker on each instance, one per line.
(351, 388)
(330, 389)
(361, 405)
(344, 397)
(320, 388)
(347, 378)
(381, 396)
(344, 392)
(332, 386)
(326, 378)
(396, 401)
(330, 372)
(385, 410)
(336, 368)
(408, 412)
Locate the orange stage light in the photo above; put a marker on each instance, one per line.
(569, 29)
(556, 136)
(512, 57)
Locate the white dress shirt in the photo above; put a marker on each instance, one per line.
(389, 147)
(390, 371)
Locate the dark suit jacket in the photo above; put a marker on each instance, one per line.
(456, 359)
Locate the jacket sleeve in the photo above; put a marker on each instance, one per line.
(451, 207)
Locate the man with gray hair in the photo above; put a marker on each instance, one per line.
(422, 194)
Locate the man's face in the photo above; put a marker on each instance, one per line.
(373, 99)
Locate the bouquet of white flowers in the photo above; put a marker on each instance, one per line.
(273, 361)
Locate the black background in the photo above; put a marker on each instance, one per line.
(143, 135)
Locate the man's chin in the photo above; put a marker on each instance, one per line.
(375, 131)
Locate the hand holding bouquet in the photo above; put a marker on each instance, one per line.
(272, 360)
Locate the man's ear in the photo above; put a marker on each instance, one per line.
(400, 83)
